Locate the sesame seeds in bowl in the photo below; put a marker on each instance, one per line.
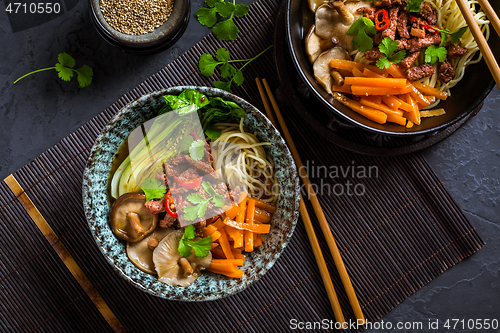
(141, 26)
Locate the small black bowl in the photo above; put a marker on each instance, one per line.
(155, 41)
(465, 96)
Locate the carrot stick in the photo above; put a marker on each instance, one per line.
(409, 124)
(265, 206)
(428, 90)
(346, 64)
(370, 113)
(237, 262)
(369, 73)
(224, 244)
(209, 230)
(382, 107)
(214, 245)
(235, 274)
(418, 97)
(430, 98)
(218, 224)
(413, 115)
(396, 71)
(249, 220)
(346, 88)
(376, 82)
(240, 218)
(218, 253)
(261, 216)
(404, 106)
(215, 236)
(357, 72)
(391, 102)
(256, 227)
(376, 98)
(235, 235)
(372, 90)
(237, 254)
(233, 211)
(396, 119)
(257, 242)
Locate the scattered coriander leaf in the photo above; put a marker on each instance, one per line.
(185, 143)
(208, 188)
(153, 188)
(433, 54)
(196, 198)
(225, 9)
(226, 30)
(212, 3)
(218, 200)
(444, 37)
(201, 247)
(202, 209)
(455, 37)
(184, 249)
(207, 16)
(222, 54)
(197, 150)
(414, 6)
(213, 133)
(85, 74)
(241, 10)
(189, 232)
(207, 64)
(360, 29)
(238, 78)
(383, 63)
(227, 70)
(362, 41)
(66, 60)
(388, 46)
(223, 85)
(398, 57)
(64, 73)
(190, 213)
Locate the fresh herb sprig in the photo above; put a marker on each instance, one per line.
(65, 70)
(434, 53)
(201, 203)
(388, 47)
(361, 28)
(226, 29)
(153, 188)
(414, 6)
(201, 247)
(207, 65)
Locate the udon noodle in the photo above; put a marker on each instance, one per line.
(244, 161)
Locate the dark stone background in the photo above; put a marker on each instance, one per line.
(41, 110)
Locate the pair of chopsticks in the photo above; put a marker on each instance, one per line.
(478, 35)
(325, 275)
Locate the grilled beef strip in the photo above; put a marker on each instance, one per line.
(373, 54)
(455, 51)
(391, 30)
(409, 61)
(402, 24)
(428, 13)
(419, 43)
(445, 72)
(418, 72)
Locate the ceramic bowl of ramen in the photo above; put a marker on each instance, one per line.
(464, 98)
(209, 285)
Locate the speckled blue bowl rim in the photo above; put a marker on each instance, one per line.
(209, 286)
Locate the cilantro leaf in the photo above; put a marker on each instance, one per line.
(414, 6)
(207, 64)
(226, 30)
(213, 133)
(455, 37)
(212, 3)
(397, 57)
(201, 247)
(64, 73)
(208, 188)
(184, 249)
(207, 16)
(223, 85)
(185, 143)
(66, 60)
(241, 10)
(222, 54)
(218, 200)
(153, 189)
(85, 74)
(190, 213)
(196, 198)
(197, 150)
(388, 46)
(227, 70)
(383, 63)
(444, 37)
(361, 28)
(362, 41)
(189, 232)
(433, 54)
(225, 8)
(238, 78)
(202, 209)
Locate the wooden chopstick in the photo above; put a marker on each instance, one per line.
(320, 260)
(339, 263)
(480, 40)
(492, 16)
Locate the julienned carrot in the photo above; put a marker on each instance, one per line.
(376, 82)
(409, 124)
(218, 253)
(265, 206)
(241, 218)
(215, 236)
(428, 90)
(346, 64)
(224, 244)
(236, 273)
(237, 262)
(346, 88)
(430, 98)
(369, 73)
(404, 106)
(396, 71)
(262, 216)
(391, 102)
(257, 242)
(249, 220)
(209, 231)
(236, 235)
(356, 72)
(370, 113)
(237, 254)
(233, 211)
(413, 115)
(256, 227)
(376, 98)
(418, 97)
(368, 101)
(373, 90)
(396, 119)
(218, 224)
(432, 113)
(214, 245)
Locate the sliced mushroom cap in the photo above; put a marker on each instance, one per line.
(321, 66)
(314, 4)
(313, 45)
(329, 21)
(172, 268)
(130, 220)
(141, 254)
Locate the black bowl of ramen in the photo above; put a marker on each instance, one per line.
(466, 95)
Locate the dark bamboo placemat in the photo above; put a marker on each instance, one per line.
(402, 233)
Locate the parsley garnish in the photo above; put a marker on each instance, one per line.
(201, 247)
(153, 188)
(414, 5)
(362, 27)
(433, 53)
(65, 70)
(197, 150)
(388, 47)
(200, 203)
(225, 30)
(207, 65)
